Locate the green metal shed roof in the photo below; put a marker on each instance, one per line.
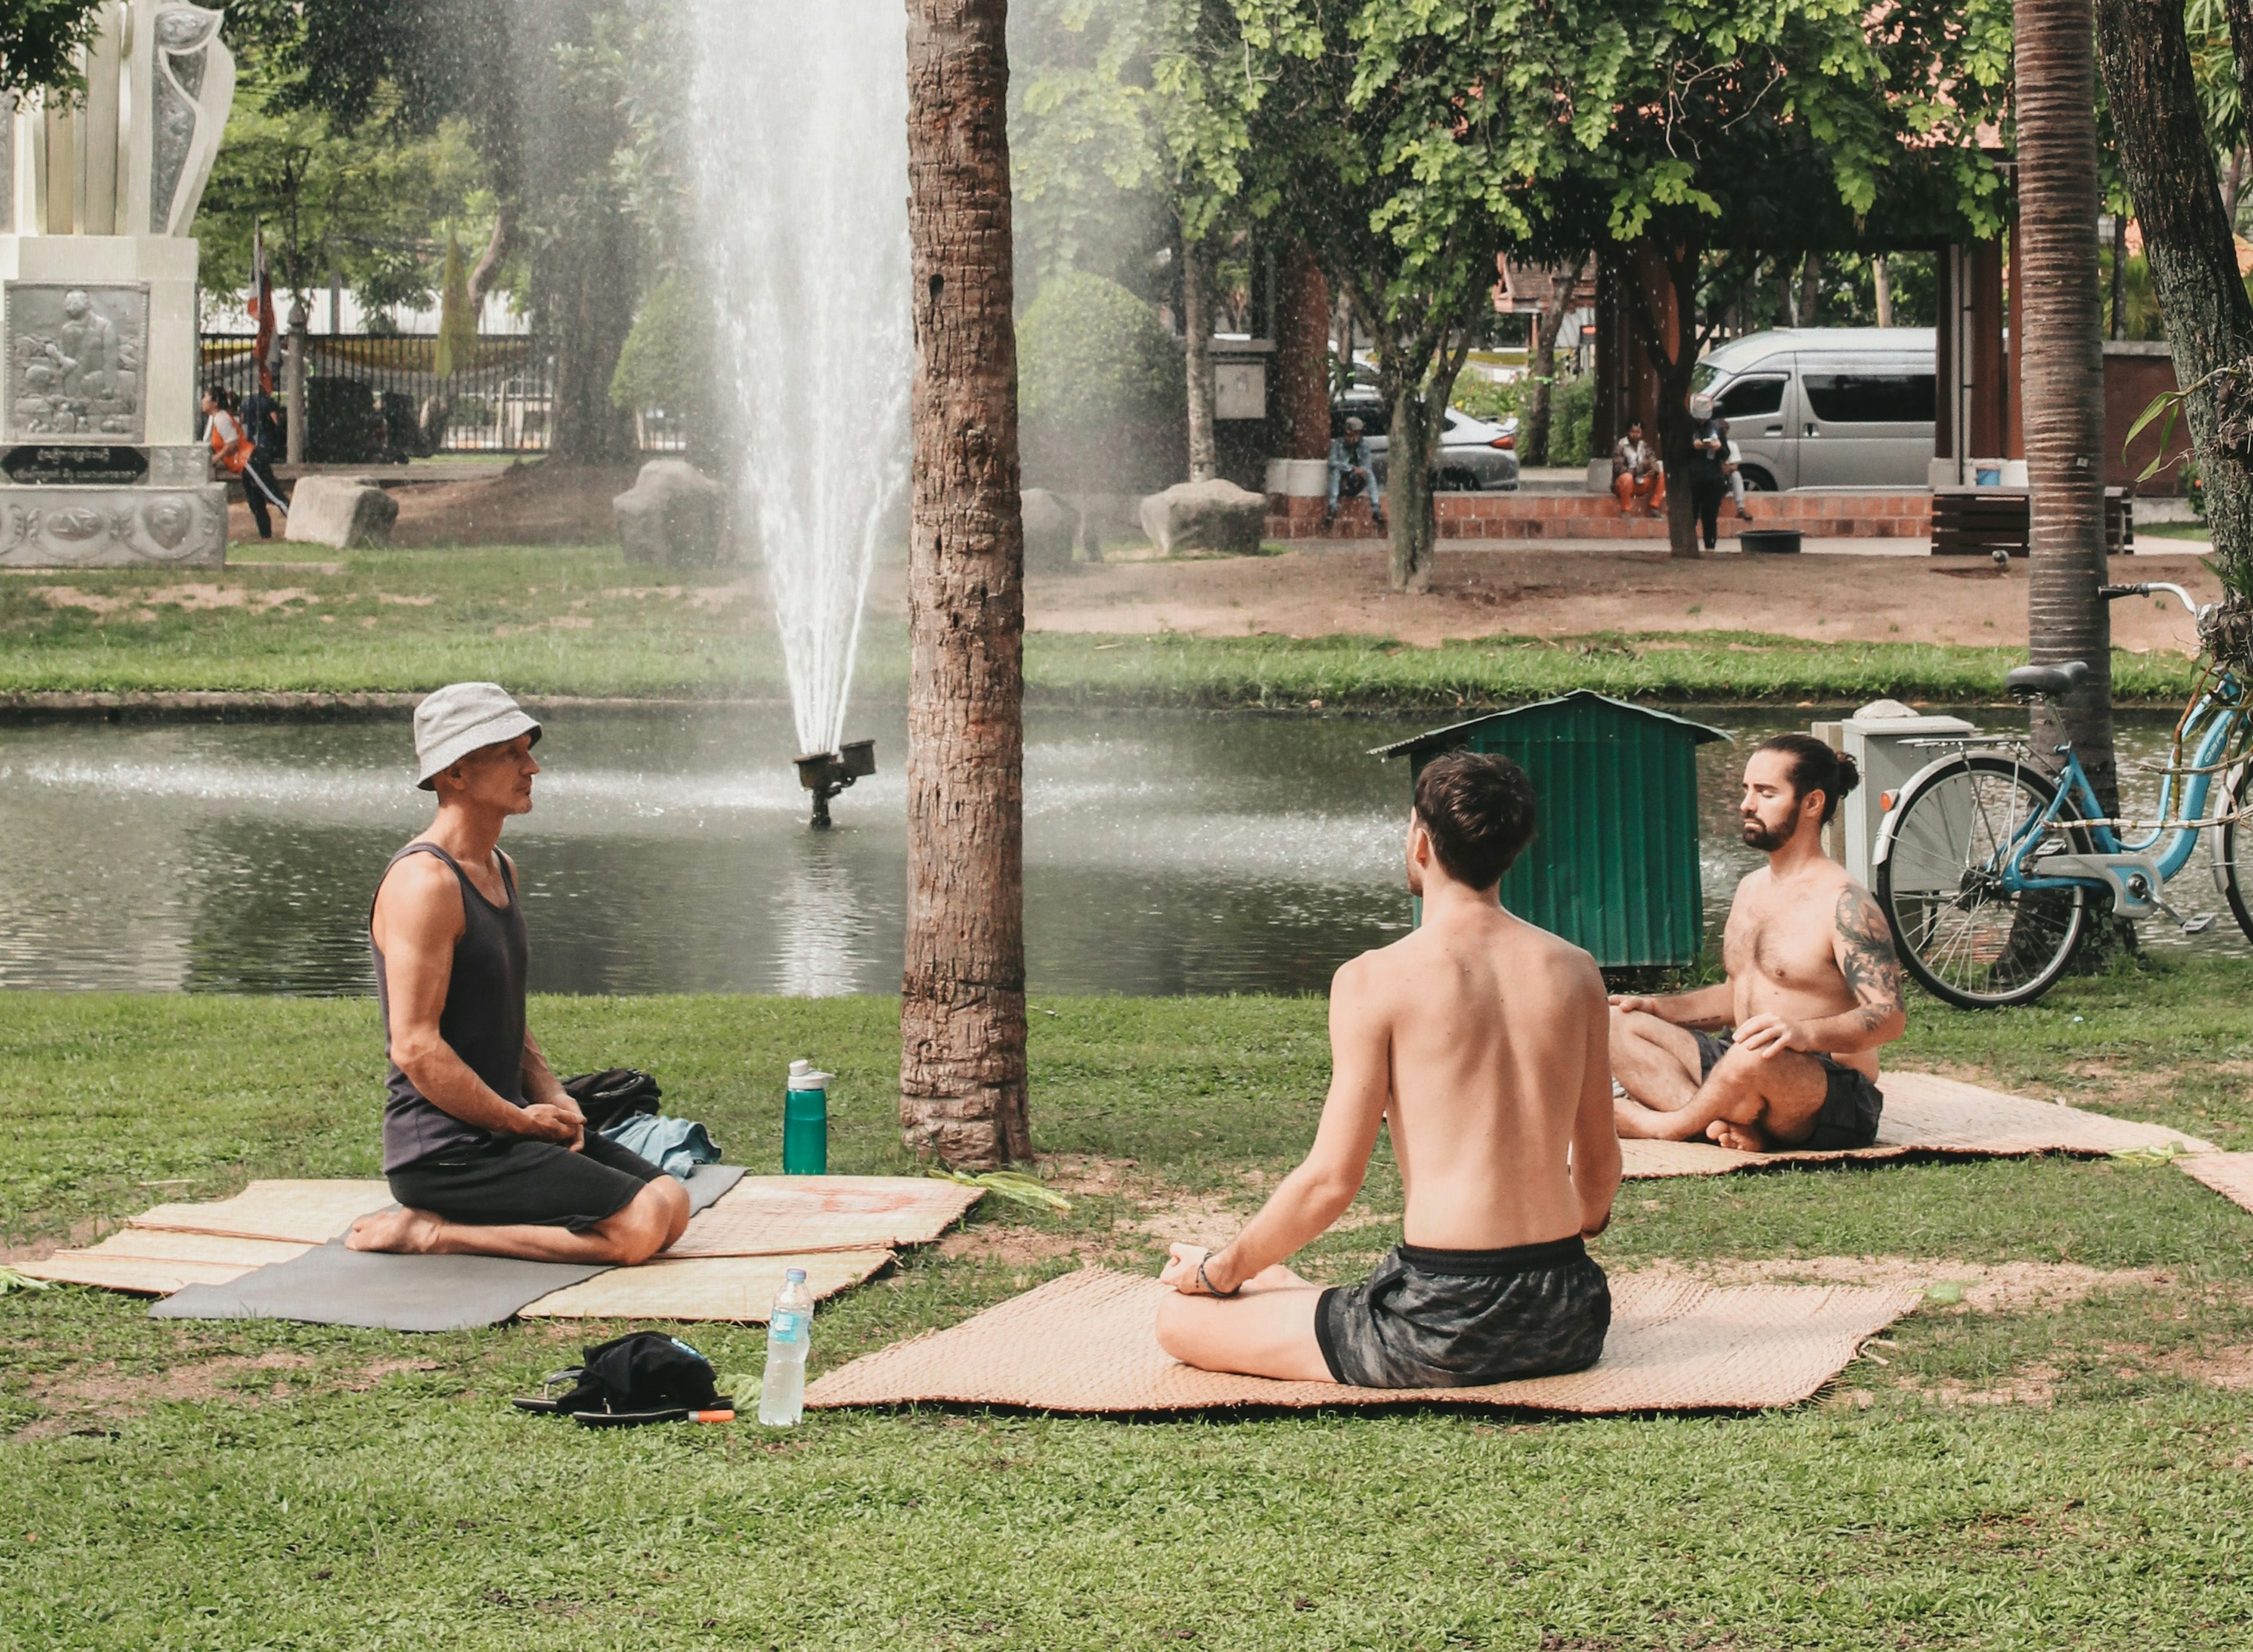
(1614, 864)
(1459, 733)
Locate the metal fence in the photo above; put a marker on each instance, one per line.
(379, 397)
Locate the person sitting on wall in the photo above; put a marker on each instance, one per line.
(1636, 474)
(1479, 1040)
(1814, 988)
(1353, 474)
(484, 1152)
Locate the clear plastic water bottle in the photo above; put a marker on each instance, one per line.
(790, 1333)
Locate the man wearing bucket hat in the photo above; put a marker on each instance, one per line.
(484, 1152)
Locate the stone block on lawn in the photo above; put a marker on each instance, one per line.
(672, 517)
(1206, 516)
(1051, 529)
(341, 512)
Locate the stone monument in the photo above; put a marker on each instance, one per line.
(100, 465)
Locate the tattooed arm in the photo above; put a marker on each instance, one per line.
(1864, 948)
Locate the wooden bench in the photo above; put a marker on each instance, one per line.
(1980, 521)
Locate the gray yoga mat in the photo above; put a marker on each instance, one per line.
(708, 1181)
(330, 1285)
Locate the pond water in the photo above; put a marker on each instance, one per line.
(668, 852)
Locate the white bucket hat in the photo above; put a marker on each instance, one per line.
(460, 718)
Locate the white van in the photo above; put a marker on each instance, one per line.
(1827, 407)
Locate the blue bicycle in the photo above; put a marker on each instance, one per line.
(1991, 863)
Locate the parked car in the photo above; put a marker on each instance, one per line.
(1827, 407)
(1475, 456)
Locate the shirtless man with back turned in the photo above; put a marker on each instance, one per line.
(1814, 988)
(1480, 1040)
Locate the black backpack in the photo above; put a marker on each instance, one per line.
(613, 1094)
(644, 1377)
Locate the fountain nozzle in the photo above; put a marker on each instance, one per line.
(826, 773)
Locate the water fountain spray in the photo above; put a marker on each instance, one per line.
(801, 194)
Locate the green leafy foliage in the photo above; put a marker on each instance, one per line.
(371, 204)
(1100, 387)
(667, 360)
(40, 40)
(1573, 421)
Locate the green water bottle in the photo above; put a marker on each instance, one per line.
(806, 1122)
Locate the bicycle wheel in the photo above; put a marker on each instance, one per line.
(2233, 855)
(1965, 937)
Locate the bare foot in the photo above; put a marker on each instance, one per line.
(1741, 1137)
(1635, 1122)
(407, 1232)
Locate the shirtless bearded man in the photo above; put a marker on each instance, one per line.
(1480, 1040)
(1813, 990)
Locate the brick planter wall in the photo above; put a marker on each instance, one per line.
(1587, 516)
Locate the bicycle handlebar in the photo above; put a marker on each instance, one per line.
(2111, 593)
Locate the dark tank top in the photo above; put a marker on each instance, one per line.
(483, 1020)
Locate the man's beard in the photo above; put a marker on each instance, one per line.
(1759, 837)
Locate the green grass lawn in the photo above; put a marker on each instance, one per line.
(192, 1485)
(2200, 529)
(555, 621)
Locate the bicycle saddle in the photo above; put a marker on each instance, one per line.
(2029, 680)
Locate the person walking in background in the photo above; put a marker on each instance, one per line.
(1353, 473)
(1636, 473)
(1709, 448)
(234, 452)
(261, 421)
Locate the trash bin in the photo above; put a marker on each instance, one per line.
(1889, 742)
(1614, 865)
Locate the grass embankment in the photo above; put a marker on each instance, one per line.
(580, 622)
(177, 1484)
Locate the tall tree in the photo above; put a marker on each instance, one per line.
(962, 1007)
(2168, 158)
(2060, 344)
(1196, 355)
(535, 80)
(1564, 281)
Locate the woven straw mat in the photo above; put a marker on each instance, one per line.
(1087, 1342)
(742, 1288)
(303, 1212)
(157, 1263)
(2229, 1175)
(789, 1215)
(1926, 1114)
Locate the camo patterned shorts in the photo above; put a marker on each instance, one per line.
(1455, 1319)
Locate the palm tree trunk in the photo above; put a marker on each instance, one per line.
(2059, 345)
(2164, 151)
(2120, 273)
(1197, 335)
(962, 1004)
(1882, 285)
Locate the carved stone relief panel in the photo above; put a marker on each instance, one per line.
(75, 356)
(192, 89)
(124, 527)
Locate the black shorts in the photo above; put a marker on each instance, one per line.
(1455, 1319)
(518, 1180)
(1852, 1101)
